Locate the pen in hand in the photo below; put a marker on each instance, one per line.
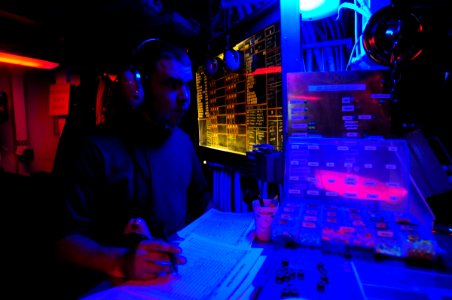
(171, 255)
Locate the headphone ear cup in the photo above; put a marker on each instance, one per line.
(132, 87)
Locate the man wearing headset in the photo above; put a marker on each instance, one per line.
(134, 180)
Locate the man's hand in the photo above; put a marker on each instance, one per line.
(151, 259)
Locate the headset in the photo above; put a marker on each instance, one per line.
(132, 87)
(130, 79)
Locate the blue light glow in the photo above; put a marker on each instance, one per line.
(312, 10)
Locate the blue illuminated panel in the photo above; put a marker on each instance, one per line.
(350, 104)
(351, 192)
(344, 171)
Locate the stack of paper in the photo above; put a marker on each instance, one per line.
(220, 263)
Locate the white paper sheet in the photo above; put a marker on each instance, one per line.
(228, 227)
(213, 271)
(221, 264)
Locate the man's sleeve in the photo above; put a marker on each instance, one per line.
(75, 188)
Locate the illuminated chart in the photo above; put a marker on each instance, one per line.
(237, 110)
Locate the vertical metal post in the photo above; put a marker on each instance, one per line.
(291, 60)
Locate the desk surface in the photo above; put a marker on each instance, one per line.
(301, 272)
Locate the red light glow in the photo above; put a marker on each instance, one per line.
(26, 61)
(267, 70)
(303, 97)
(359, 187)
